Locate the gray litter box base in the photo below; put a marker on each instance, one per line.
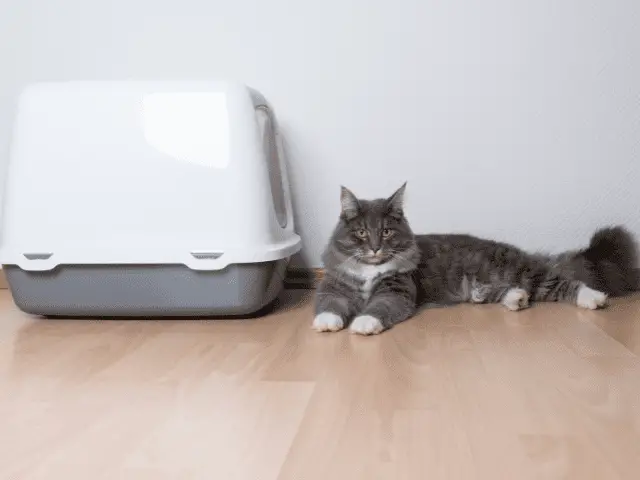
(146, 290)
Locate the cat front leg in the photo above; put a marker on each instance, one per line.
(393, 302)
(332, 310)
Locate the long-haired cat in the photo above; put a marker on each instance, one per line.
(378, 273)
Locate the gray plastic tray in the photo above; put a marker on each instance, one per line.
(146, 290)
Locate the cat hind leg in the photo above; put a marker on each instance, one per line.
(515, 299)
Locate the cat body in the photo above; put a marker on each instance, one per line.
(378, 273)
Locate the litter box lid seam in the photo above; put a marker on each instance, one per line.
(195, 259)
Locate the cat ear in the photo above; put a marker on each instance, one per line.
(349, 202)
(396, 201)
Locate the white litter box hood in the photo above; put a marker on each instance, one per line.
(144, 173)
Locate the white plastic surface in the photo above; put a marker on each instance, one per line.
(143, 173)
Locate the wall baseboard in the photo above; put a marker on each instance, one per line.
(303, 278)
(308, 278)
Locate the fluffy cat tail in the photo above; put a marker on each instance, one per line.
(611, 260)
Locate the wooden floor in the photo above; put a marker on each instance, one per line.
(472, 392)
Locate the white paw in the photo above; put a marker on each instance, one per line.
(590, 298)
(327, 322)
(516, 299)
(366, 325)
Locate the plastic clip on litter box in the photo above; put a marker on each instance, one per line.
(145, 199)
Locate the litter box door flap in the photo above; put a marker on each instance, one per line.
(139, 172)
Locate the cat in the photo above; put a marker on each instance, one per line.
(378, 273)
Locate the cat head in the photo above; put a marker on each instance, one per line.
(373, 232)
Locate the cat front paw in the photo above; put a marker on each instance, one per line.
(590, 298)
(327, 322)
(366, 325)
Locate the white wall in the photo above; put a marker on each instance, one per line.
(514, 119)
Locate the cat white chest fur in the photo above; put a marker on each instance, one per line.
(370, 275)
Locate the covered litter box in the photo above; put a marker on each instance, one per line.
(145, 199)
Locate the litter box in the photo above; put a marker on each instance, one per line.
(136, 199)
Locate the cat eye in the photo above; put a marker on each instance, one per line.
(362, 233)
(387, 232)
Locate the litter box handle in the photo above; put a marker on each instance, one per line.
(260, 103)
(206, 260)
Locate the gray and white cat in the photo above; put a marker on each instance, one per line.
(378, 273)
